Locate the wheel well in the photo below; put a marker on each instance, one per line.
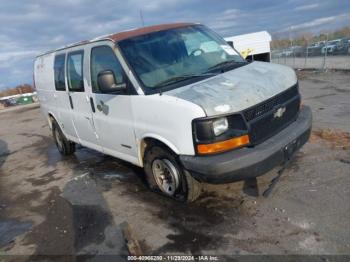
(50, 119)
(148, 142)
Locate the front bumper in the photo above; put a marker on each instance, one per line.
(251, 162)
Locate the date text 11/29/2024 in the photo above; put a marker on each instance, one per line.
(174, 258)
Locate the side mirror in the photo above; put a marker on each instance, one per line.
(230, 43)
(107, 83)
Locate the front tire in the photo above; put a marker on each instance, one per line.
(165, 175)
(64, 146)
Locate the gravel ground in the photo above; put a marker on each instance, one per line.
(54, 205)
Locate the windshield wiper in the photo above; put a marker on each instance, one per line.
(225, 64)
(176, 79)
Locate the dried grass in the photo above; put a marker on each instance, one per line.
(336, 138)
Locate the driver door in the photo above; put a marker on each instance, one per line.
(113, 116)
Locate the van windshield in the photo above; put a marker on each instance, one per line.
(176, 56)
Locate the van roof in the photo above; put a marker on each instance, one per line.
(116, 37)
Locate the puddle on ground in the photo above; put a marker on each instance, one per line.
(89, 223)
(77, 218)
(196, 226)
(10, 228)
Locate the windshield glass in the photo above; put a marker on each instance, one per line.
(170, 56)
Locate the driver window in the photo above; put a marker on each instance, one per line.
(103, 58)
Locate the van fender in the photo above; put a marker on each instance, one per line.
(50, 115)
(141, 145)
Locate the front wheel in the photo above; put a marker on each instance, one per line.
(164, 174)
(64, 146)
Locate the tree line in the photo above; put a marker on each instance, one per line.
(307, 38)
(20, 89)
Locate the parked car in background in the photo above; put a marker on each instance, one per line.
(343, 47)
(315, 48)
(177, 100)
(294, 51)
(298, 51)
(330, 47)
(277, 53)
(287, 52)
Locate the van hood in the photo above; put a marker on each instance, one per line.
(238, 89)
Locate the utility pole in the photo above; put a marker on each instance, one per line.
(291, 45)
(141, 17)
(325, 53)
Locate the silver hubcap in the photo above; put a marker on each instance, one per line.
(166, 176)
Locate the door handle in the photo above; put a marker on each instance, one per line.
(102, 107)
(92, 105)
(71, 102)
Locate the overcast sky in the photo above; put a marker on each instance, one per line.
(31, 27)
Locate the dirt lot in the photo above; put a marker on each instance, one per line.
(75, 205)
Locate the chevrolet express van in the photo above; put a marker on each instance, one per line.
(175, 99)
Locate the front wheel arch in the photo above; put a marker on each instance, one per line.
(50, 119)
(149, 141)
(64, 146)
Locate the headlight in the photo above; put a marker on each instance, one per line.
(220, 126)
(215, 135)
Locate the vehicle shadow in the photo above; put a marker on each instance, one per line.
(4, 152)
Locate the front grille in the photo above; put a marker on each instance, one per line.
(268, 105)
(268, 125)
(262, 120)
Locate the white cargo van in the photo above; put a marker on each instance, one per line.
(175, 99)
(257, 43)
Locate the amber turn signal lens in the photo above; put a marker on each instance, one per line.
(223, 145)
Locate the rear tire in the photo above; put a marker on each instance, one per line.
(64, 146)
(165, 175)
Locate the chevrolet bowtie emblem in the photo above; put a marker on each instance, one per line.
(279, 113)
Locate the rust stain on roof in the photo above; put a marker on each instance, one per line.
(125, 35)
(145, 30)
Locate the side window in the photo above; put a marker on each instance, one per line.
(75, 71)
(103, 58)
(60, 84)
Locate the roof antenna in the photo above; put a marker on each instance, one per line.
(141, 17)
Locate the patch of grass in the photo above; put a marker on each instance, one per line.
(338, 139)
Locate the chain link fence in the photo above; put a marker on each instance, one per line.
(323, 55)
